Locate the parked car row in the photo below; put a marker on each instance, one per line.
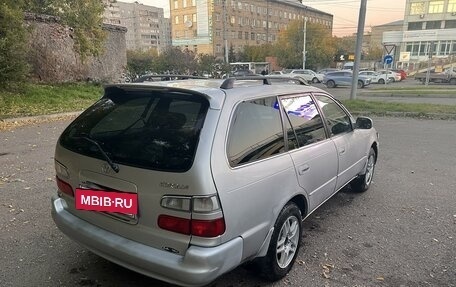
(365, 78)
(305, 74)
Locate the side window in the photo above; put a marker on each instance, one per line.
(304, 119)
(256, 132)
(337, 120)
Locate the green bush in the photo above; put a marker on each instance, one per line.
(13, 48)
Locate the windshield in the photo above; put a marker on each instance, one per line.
(146, 129)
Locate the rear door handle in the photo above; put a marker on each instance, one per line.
(303, 168)
(341, 150)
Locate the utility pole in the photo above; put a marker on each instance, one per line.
(267, 21)
(225, 40)
(304, 45)
(359, 44)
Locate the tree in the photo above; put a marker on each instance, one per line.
(140, 62)
(176, 61)
(231, 55)
(84, 16)
(257, 53)
(206, 64)
(13, 48)
(319, 46)
(345, 45)
(374, 54)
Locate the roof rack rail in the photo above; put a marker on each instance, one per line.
(164, 77)
(229, 83)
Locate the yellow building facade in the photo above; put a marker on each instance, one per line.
(199, 25)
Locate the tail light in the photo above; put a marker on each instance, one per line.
(64, 187)
(201, 205)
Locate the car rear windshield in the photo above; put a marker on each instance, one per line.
(148, 129)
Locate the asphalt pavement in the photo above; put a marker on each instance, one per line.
(400, 233)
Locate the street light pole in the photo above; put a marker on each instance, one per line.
(304, 45)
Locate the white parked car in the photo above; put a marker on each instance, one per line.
(395, 77)
(376, 78)
(308, 75)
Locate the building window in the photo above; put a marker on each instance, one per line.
(246, 35)
(194, 18)
(252, 36)
(185, 18)
(193, 2)
(176, 4)
(240, 35)
(176, 20)
(450, 24)
(433, 25)
(415, 26)
(417, 8)
(184, 3)
(444, 48)
(218, 48)
(217, 17)
(451, 6)
(436, 6)
(453, 48)
(239, 5)
(233, 20)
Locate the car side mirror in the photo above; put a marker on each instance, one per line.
(363, 123)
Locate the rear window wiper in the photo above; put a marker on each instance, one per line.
(113, 165)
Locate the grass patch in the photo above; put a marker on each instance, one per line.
(409, 109)
(428, 91)
(42, 99)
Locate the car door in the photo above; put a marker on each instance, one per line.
(313, 154)
(349, 142)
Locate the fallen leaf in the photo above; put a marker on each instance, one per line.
(380, 278)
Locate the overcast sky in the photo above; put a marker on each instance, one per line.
(345, 12)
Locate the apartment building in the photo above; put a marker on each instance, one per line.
(429, 31)
(198, 25)
(147, 28)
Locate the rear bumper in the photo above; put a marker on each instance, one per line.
(199, 266)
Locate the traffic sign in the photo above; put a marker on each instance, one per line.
(388, 59)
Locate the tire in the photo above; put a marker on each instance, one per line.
(381, 81)
(284, 245)
(330, 84)
(453, 81)
(360, 84)
(363, 182)
(315, 80)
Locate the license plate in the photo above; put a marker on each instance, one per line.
(97, 200)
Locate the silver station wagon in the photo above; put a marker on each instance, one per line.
(185, 180)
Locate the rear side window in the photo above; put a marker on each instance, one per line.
(146, 129)
(256, 132)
